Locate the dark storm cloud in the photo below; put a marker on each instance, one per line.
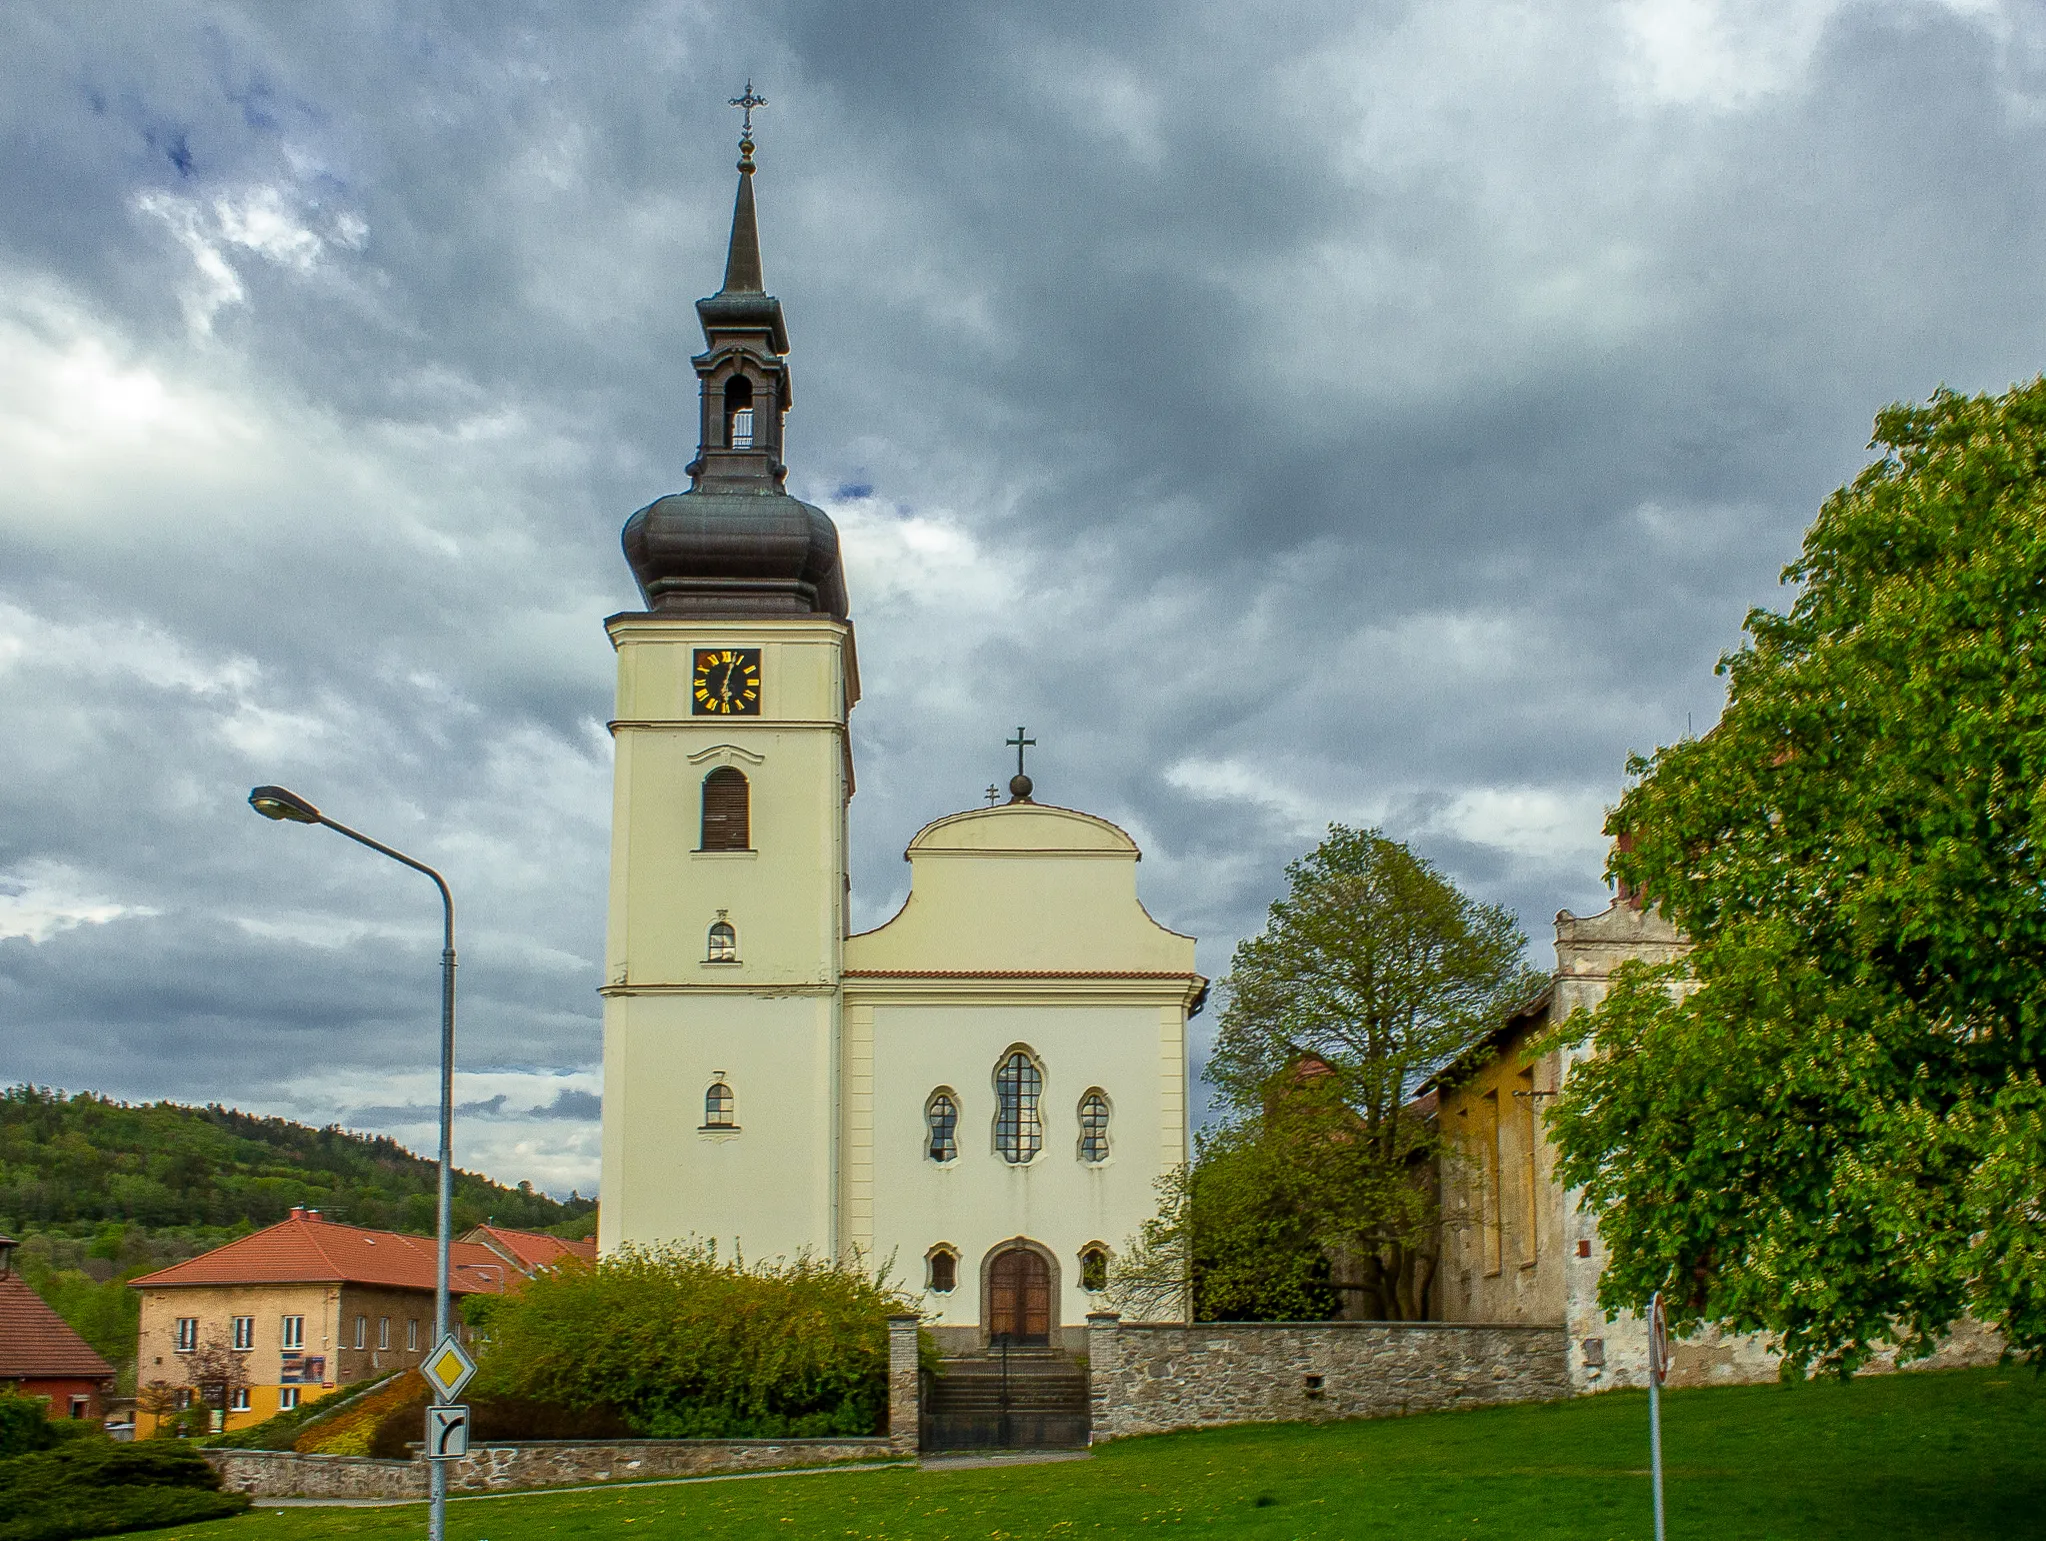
(1375, 413)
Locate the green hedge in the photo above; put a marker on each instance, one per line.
(679, 1343)
(94, 1487)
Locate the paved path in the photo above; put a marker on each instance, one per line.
(959, 1462)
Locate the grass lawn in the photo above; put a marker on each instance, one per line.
(1952, 1454)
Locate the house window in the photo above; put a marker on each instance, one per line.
(362, 1332)
(238, 1400)
(1019, 1133)
(294, 1332)
(723, 946)
(1094, 1126)
(412, 1336)
(941, 1124)
(81, 1406)
(383, 1332)
(287, 1398)
(184, 1397)
(942, 1276)
(717, 1107)
(1094, 1268)
(726, 821)
(244, 1332)
(188, 1334)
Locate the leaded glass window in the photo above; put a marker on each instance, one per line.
(1094, 1126)
(1019, 1132)
(717, 1106)
(941, 1127)
(723, 945)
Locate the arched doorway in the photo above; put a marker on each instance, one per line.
(1019, 1299)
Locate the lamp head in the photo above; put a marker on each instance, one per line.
(277, 803)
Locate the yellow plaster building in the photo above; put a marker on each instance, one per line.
(983, 1091)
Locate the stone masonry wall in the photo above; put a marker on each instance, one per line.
(1147, 1379)
(536, 1463)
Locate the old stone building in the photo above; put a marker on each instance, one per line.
(1517, 1246)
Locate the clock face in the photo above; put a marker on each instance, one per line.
(727, 682)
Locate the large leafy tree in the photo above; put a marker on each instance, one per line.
(1370, 974)
(1831, 1127)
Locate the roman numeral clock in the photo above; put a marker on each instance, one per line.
(726, 682)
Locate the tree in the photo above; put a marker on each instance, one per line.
(1832, 1129)
(1373, 972)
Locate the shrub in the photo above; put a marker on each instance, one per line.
(351, 1428)
(94, 1487)
(683, 1344)
(24, 1424)
(281, 1431)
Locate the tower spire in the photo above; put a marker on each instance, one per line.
(742, 260)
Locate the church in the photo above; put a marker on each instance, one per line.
(979, 1095)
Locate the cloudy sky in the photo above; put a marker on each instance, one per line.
(1368, 412)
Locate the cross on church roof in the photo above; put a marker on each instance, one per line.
(749, 101)
(993, 794)
(1019, 784)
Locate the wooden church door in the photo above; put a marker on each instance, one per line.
(1019, 1298)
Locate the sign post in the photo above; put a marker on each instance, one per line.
(1658, 1367)
(447, 1369)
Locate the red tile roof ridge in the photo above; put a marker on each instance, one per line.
(305, 1249)
(36, 1343)
(532, 1249)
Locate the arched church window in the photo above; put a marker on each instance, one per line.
(726, 825)
(723, 943)
(739, 412)
(1094, 1126)
(718, 1106)
(941, 1127)
(941, 1270)
(1094, 1267)
(1019, 1132)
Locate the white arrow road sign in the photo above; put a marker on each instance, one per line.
(448, 1368)
(447, 1433)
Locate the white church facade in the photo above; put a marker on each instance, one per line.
(980, 1094)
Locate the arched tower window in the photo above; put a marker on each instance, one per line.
(739, 412)
(941, 1269)
(726, 825)
(1094, 1267)
(718, 1106)
(1094, 1126)
(1019, 1132)
(722, 946)
(941, 1127)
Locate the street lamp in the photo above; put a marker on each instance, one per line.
(277, 803)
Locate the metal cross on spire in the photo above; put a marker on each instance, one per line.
(1019, 743)
(749, 101)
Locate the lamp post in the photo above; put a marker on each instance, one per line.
(277, 803)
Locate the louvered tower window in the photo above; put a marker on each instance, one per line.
(941, 1127)
(1094, 1126)
(739, 412)
(1019, 1132)
(725, 821)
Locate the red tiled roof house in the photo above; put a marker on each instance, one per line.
(40, 1356)
(304, 1306)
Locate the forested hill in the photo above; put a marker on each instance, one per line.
(75, 1163)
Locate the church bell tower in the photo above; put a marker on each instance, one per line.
(727, 912)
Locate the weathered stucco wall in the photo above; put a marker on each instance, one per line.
(539, 1463)
(1147, 1379)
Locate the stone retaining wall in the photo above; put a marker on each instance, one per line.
(1147, 1379)
(528, 1464)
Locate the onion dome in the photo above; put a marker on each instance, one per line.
(736, 544)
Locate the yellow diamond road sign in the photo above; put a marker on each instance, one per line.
(448, 1368)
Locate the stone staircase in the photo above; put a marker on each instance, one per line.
(1024, 1399)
